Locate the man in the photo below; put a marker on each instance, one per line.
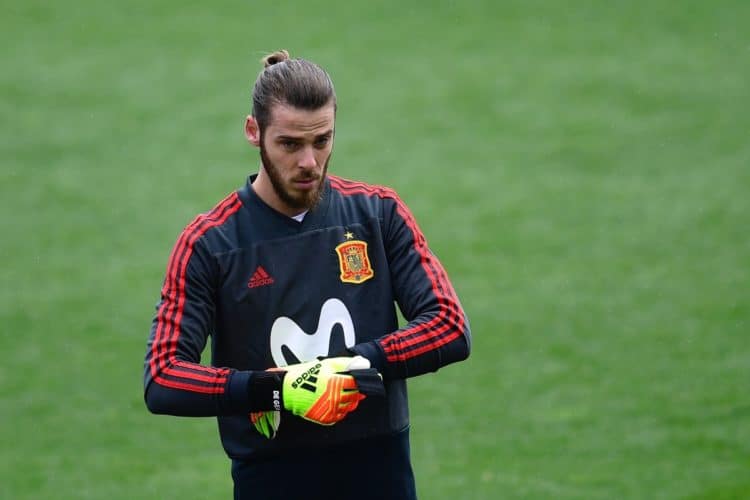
(294, 277)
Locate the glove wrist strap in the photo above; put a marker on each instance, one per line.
(264, 390)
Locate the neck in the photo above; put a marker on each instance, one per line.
(264, 189)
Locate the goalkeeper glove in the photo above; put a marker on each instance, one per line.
(321, 391)
(266, 422)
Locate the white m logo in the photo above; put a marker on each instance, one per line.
(305, 346)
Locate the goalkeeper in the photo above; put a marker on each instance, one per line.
(294, 278)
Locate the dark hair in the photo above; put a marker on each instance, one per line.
(294, 82)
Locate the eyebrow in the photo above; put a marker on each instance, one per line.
(299, 138)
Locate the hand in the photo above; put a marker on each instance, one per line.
(266, 422)
(320, 391)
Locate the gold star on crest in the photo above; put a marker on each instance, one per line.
(348, 235)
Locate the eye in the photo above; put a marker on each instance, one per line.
(290, 145)
(322, 142)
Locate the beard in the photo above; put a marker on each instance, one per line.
(305, 200)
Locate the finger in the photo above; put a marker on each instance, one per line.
(348, 382)
(351, 405)
(359, 363)
(343, 412)
(349, 397)
(261, 427)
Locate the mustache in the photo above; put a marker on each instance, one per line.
(305, 178)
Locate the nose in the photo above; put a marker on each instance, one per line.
(307, 158)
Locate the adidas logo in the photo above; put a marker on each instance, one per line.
(308, 379)
(259, 278)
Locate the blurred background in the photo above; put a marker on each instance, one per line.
(582, 169)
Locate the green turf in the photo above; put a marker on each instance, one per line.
(582, 168)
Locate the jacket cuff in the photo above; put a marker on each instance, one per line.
(238, 399)
(264, 390)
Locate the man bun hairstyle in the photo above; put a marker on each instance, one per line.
(276, 57)
(293, 82)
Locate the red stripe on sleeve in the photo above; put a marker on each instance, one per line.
(182, 248)
(448, 324)
(165, 368)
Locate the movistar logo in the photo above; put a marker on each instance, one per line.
(308, 379)
(286, 335)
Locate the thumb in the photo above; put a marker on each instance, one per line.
(358, 363)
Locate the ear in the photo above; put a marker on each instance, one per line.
(252, 131)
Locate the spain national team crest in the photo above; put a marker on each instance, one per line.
(354, 262)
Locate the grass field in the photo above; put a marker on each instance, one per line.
(582, 169)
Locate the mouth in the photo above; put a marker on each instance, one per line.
(307, 183)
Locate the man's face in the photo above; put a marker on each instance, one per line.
(295, 148)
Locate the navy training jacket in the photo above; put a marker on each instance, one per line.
(270, 291)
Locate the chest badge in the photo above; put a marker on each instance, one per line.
(354, 262)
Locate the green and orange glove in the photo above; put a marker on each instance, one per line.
(266, 422)
(321, 391)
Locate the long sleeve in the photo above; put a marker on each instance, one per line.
(437, 332)
(175, 382)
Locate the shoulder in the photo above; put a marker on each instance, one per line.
(212, 221)
(350, 188)
(385, 198)
(217, 216)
